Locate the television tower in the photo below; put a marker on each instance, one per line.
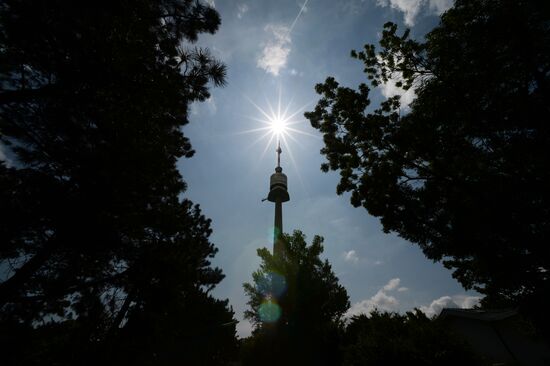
(278, 194)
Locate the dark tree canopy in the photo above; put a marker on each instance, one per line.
(409, 339)
(101, 255)
(296, 306)
(463, 173)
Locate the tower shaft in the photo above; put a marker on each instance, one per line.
(278, 228)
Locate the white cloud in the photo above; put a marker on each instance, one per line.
(440, 6)
(381, 301)
(390, 89)
(211, 3)
(211, 105)
(200, 108)
(242, 9)
(377, 263)
(303, 6)
(402, 289)
(351, 256)
(458, 301)
(276, 49)
(392, 284)
(437, 305)
(409, 8)
(466, 302)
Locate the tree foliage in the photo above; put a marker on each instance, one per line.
(463, 172)
(101, 255)
(409, 339)
(296, 306)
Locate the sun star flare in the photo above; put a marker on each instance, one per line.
(278, 125)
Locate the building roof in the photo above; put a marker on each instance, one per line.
(478, 314)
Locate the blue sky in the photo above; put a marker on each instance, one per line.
(284, 48)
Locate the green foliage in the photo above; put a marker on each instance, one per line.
(464, 172)
(394, 339)
(102, 256)
(311, 306)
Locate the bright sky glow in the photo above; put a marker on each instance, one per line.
(276, 52)
(279, 124)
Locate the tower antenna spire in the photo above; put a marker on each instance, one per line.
(279, 151)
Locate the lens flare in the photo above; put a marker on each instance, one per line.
(269, 311)
(278, 284)
(279, 125)
(272, 285)
(271, 232)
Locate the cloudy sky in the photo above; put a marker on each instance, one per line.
(281, 49)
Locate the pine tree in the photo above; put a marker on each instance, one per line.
(96, 238)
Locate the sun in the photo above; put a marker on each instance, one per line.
(278, 126)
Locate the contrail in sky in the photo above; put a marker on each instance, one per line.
(297, 16)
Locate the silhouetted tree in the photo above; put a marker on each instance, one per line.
(409, 339)
(463, 173)
(103, 258)
(296, 306)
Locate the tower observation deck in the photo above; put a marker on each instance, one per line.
(278, 194)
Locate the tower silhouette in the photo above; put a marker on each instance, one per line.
(278, 194)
